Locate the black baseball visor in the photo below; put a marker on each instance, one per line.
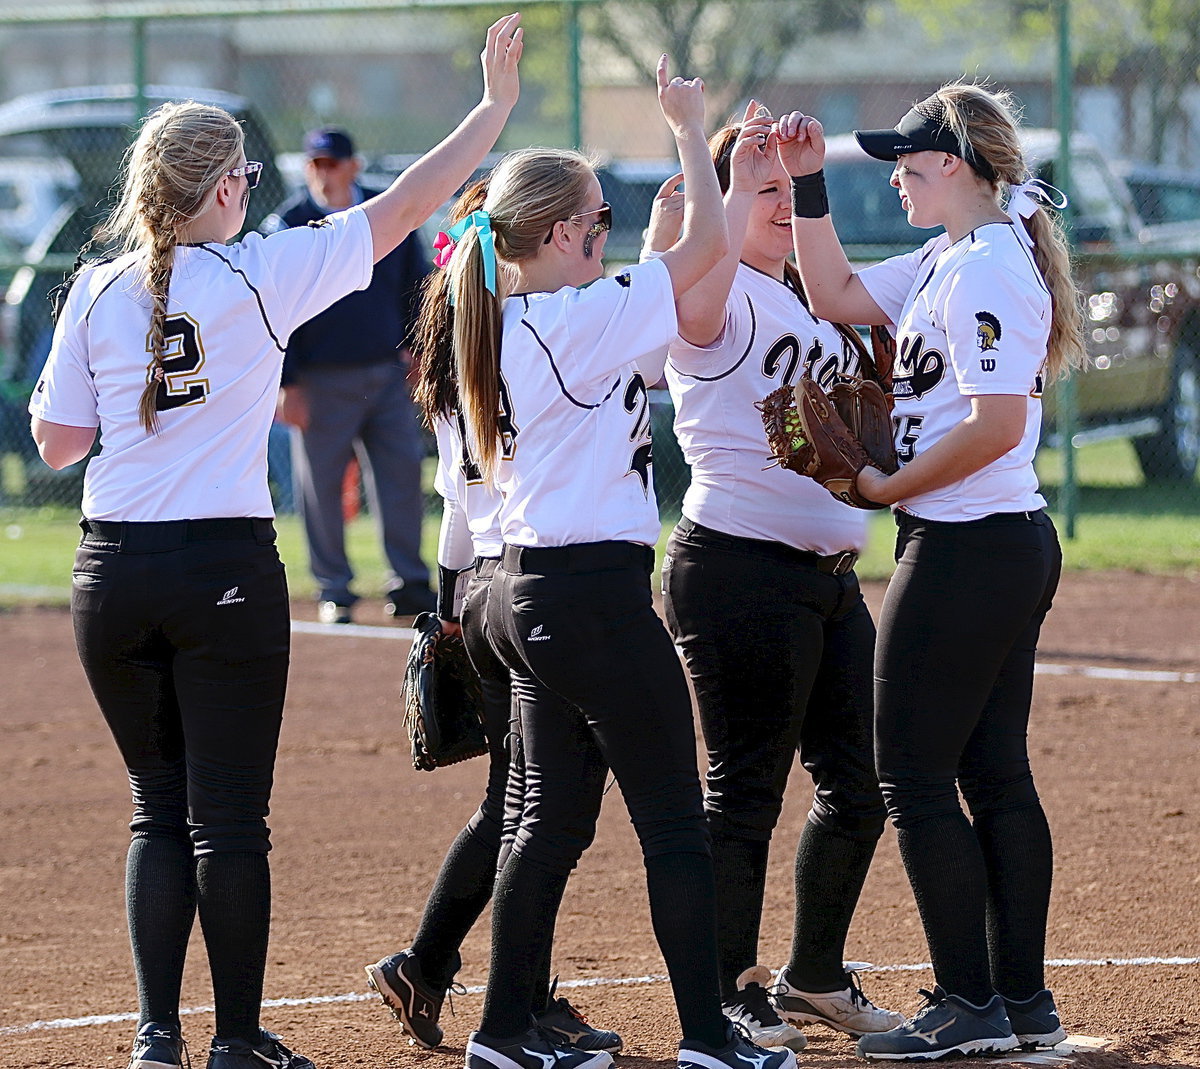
(918, 133)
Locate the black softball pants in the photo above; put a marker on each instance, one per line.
(598, 685)
(780, 655)
(183, 629)
(464, 884)
(953, 690)
(184, 633)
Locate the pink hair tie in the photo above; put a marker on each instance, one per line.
(443, 246)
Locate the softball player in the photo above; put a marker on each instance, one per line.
(984, 312)
(552, 381)
(413, 983)
(179, 599)
(761, 595)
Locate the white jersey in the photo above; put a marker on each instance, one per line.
(576, 458)
(230, 311)
(973, 319)
(769, 340)
(468, 496)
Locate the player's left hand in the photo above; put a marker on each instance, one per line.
(753, 156)
(681, 99)
(873, 485)
(500, 57)
(666, 215)
(801, 143)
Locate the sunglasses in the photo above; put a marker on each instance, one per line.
(602, 224)
(252, 172)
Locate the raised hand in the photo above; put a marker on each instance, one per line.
(681, 99)
(666, 215)
(500, 56)
(801, 143)
(753, 155)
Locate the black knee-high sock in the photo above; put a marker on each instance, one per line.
(683, 912)
(160, 900)
(541, 981)
(1020, 863)
(462, 889)
(526, 900)
(945, 867)
(830, 872)
(740, 868)
(233, 892)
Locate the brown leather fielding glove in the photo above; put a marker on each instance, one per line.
(831, 438)
(442, 698)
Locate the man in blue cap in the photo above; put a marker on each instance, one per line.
(345, 393)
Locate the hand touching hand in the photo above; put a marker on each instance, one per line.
(753, 155)
(801, 144)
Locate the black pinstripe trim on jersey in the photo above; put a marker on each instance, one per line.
(88, 314)
(553, 367)
(1037, 271)
(250, 286)
(740, 360)
(932, 270)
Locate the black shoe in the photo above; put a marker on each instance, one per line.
(268, 1054)
(533, 1049)
(414, 1002)
(410, 599)
(948, 1024)
(1035, 1021)
(567, 1025)
(158, 1046)
(738, 1053)
(330, 612)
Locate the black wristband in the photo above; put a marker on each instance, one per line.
(809, 200)
(447, 594)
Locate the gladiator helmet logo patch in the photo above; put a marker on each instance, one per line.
(988, 332)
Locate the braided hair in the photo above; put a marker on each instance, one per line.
(169, 177)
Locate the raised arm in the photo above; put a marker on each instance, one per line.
(704, 240)
(702, 308)
(426, 185)
(834, 290)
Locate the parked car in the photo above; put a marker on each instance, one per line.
(1140, 287)
(81, 135)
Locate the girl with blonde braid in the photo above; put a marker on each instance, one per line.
(180, 606)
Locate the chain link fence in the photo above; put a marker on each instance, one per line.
(399, 75)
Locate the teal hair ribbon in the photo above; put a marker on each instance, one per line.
(482, 224)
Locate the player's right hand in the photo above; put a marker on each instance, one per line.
(681, 99)
(500, 57)
(801, 144)
(753, 155)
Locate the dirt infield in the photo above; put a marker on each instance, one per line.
(359, 836)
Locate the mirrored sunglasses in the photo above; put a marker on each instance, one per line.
(252, 172)
(602, 223)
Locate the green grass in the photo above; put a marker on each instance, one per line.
(1120, 524)
(38, 545)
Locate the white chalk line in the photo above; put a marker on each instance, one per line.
(1136, 675)
(478, 989)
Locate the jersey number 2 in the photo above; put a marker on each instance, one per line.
(183, 357)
